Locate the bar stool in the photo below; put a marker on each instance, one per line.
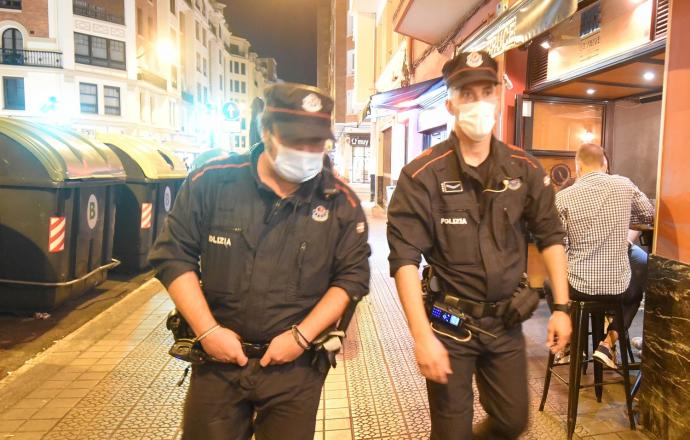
(581, 313)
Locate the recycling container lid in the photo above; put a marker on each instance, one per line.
(144, 159)
(44, 155)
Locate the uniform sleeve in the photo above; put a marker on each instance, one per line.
(543, 220)
(177, 249)
(642, 210)
(351, 266)
(409, 228)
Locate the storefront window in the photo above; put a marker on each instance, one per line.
(563, 127)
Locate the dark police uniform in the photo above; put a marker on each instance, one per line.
(264, 262)
(470, 225)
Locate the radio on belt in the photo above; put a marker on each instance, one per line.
(444, 314)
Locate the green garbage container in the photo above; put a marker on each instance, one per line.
(154, 176)
(57, 202)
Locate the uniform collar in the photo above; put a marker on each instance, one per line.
(498, 154)
(324, 183)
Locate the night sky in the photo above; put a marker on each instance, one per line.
(282, 29)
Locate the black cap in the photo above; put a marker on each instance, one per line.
(469, 67)
(299, 111)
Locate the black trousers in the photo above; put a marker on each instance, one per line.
(229, 402)
(500, 367)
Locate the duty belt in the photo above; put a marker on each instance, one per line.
(254, 351)
(476, 309)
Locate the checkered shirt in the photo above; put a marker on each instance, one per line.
(596, 212)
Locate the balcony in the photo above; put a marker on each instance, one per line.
(153, 79)
(412, 18)
(37, 58)
(86, 9)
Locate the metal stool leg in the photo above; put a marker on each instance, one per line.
(576, 347)
(622, 342)
(597, 336)
(547, 380)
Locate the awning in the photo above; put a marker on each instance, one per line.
(519, 24)
(417, 96)
(405, 98)
(416, 15)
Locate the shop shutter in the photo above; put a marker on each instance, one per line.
(537, 63)
(661, 19)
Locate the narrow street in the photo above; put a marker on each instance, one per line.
(113, 378)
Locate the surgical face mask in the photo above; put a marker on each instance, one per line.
(294, 165)
(477, 119)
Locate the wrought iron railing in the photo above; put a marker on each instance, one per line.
(37, 58)
(11, 4)
(85, 9)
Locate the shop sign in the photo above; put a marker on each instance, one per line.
(519, 24)
(600, 31)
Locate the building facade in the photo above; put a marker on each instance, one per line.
(163, 69)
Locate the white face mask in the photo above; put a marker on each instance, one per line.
(294, 165)
(476, 119)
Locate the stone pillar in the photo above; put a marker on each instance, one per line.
(665, 391)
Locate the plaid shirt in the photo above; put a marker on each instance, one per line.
(596, 212)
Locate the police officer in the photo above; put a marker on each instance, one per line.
(463, 205)
(280, 246)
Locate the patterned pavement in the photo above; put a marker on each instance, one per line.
(113, 379)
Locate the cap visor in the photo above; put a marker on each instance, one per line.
(296, 130)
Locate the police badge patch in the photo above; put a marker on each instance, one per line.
(312, 103)
(320, 214)
(474, 59)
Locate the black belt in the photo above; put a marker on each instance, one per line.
(477, 309)
(254, 351)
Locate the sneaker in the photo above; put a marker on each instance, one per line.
(605, 355)
(562, 357)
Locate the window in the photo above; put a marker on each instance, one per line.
(237, 87)
(237, 67)
(244, 142)
(111, 100)
(173, 76)
(172, 6)
(220, 79)
(99, 51)
(198, 31)
(88, 98)
(205, 36)
(244, 68)
(243, 125)
(350, 25)
(198, 92)
(244, 87)
(220, 57)
(206, 94)
(205, 67)
(198, 62)
(14, 93)
(11, 4)
(12, 47)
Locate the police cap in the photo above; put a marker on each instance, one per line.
(299, 111)
(469, 67)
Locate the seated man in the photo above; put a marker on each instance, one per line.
(596, 212)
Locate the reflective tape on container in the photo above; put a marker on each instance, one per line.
(56, 234)
(146, 214)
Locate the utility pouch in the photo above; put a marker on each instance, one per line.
(522, 305)
(185, 348)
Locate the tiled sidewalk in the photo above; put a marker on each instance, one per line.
(114, 379)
